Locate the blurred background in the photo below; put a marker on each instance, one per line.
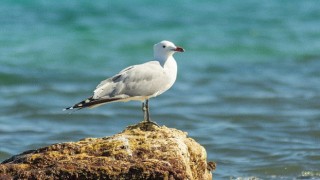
(248, 86)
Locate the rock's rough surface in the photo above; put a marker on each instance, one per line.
(143, 151)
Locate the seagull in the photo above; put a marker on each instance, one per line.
(138, 82)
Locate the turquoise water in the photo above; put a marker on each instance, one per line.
(248, 87)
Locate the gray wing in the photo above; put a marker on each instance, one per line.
(140, 80)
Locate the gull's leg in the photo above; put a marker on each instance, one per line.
(146, 114)
(147, 111)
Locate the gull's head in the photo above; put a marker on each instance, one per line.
(164, 49)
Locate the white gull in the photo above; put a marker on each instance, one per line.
(138, 82)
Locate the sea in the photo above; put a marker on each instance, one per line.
(248, 84)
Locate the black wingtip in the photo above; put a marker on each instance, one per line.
(90, 102)
(68, 108)
(83, 104)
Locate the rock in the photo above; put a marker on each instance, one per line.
(142, 151)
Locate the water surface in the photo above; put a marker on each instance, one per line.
(247, 89)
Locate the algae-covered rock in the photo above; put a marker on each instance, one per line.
(143, 151)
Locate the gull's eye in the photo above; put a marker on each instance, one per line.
(164, 46)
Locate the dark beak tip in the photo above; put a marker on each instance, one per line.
(179, 49)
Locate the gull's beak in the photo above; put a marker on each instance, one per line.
(178, 49)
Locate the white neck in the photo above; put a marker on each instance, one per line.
(170, 67)
(163, 59)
